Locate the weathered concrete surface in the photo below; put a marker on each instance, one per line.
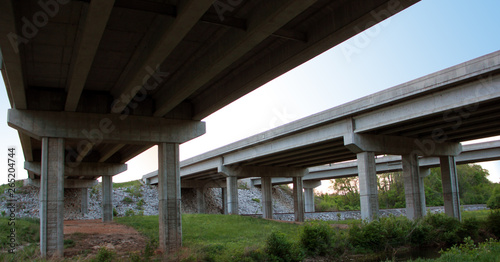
(368, 191)
(449, 179)
(52, 197)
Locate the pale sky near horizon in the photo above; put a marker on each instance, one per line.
(428, 36)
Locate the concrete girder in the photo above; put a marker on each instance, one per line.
(280, 144)
(478, 90)
(83, 169)
(89, 38)
(109, 152)
(333, 31)
(395, 145)
(13, 73)
(265, 21)
(263, 171)
(104, 127)
(188, 14)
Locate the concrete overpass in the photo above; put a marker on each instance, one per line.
(428, 116)
(99, 82)
(473, 153)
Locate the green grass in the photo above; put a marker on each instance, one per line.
(27, 231)
(136, 183)
(228, 235)
(19, 184)
(478, 214)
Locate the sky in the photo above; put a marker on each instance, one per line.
(424, 38)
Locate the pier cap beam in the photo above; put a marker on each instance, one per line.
(396, 145)
(105, 127)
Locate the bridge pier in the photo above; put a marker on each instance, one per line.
(450, 187)
(232, 195)
(107, 199)
(52, 198)
(267, 198)
(169, 195)
(200, 200)
(298, 199)
(309, 187)
(368, 185)
(413, 183)
(224, 200)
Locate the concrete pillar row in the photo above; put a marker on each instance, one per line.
(267, 197)
(449, 179)
(169, 195)
(52, 198)
(107, 199)
(85, 200)
(200, 200)
(309, 187)
(232, 195)
(413, 183)
(368, 190)
(298, 199)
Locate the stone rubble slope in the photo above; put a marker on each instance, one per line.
(143, 200)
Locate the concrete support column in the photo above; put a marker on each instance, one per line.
(232, 195)
(200, 200)
(52, 198)
(107, 199)
(224, 200)
(309, 194)
(415, 200)
(85, 200)
(449, 180)
(368, 185)
(169, 195)
(298, 199)
(267, 197)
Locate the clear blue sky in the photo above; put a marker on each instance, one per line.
(427, 37)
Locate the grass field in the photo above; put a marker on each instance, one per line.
(222, 234)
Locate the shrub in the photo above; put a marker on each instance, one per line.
(316, 238)
(115, 213)
(104, 255)
(494, 200)
(128, 200)
(493, 223)
(445, 230)
(134, 191)
(129, 213)
(279, 249)
(140, 204)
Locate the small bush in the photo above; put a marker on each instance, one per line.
(279, 249)
(115, 213)
(128, 200)
(492, 223)
(212, 251)
(140, 204)
(104, 255)
(134, 191)
(316, 238)
(129, 213)
(494, 200)
(69, 243)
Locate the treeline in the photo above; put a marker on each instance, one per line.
(474, 188)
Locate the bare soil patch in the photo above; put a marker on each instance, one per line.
(89, 236)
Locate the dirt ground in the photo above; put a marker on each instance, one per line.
(89, 236)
